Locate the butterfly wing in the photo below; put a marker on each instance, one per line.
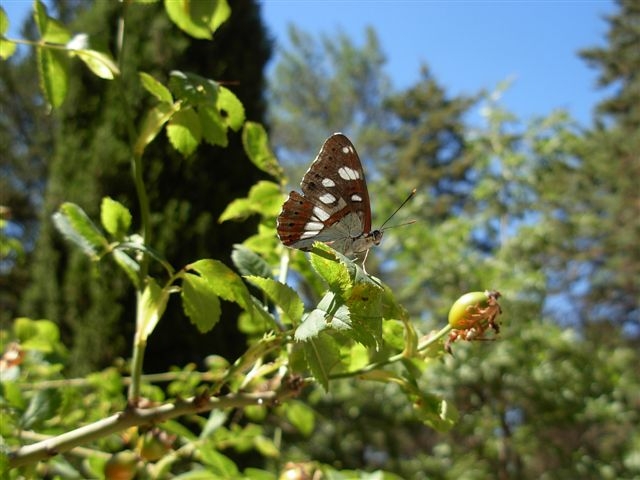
(334, 206)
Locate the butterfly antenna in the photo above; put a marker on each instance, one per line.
(413, 192)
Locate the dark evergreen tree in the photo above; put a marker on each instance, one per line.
(90, 159)
(426, 144)
(612, 259)
(618, 63)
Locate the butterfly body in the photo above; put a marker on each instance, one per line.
(334, 205)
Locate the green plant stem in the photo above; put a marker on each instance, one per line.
(139, 344)
(426, 343)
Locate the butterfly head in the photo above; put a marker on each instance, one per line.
(365, 242)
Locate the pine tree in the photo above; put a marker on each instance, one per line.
(618, 63)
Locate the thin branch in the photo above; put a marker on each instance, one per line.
(130, 417)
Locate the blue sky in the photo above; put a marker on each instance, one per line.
(469, 45)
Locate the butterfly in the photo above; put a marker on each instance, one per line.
(334, 206)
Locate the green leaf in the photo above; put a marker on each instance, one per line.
(266, 446)
(256, 144)
(216, 462)
(197, 474)
(115, 217)
(7, 48)
(53, 70)
(216, 420)
(101, 64)
(40, 335)
(76, 226)
(322, 355)
(4, 21)
(128, 265)
(264, 199)
(198, 18)
(152, 124)
(151, 306)
(249, 262)
(238, 209)
(11, 395)
(193, 89)
(224, 282)
(283, 296)
(365, 307)
(155, 88)
(301, 416)
(391, 309)
(230, 108)
(200, 302)
(435, 412)
(51, 30)
(42, 406)
(330, 313)
(220, 15)
(184, 131)
(332, 267)
(214, 130)
(256, 474)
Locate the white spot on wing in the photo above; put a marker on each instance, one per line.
(308, 235)
(347, 173)
(320, 214)
(327, 198)
(347, 149)
(317, 226)
(327, 182)
(356, 198)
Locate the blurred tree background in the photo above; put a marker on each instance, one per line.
(545, 210)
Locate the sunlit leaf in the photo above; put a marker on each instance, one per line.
(200, 302)
(185, 131)
(51, 30)
(151, 306)
(214, 130)
(223, 281)
(256, 145)
(329, 266)
(53, 70)
(264, 198)
(99, 63)
(4, 21)
(115, 217)
(40, 335)
(283, 296)
(230, 108)
(152, 124)
(7, 49)
(155, 88)
(76, 226)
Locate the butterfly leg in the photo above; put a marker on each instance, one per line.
(364, 260)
